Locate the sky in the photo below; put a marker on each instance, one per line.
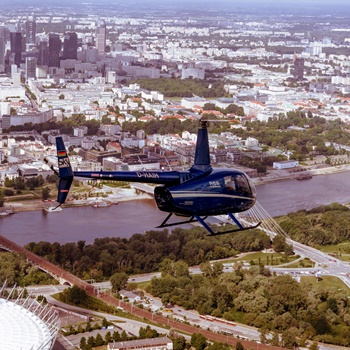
(213, 2)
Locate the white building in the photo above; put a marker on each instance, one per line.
(251, 142)
(190, 102)
(287, 164)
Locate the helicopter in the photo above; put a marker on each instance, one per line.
(195, 194)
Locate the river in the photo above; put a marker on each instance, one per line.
(127, 218)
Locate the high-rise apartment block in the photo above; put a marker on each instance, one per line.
(30, 31)
(70, 46)
(55, 45)
(101, 34)
(298, 72)
(16, 47)
(30, 67)
(2, 54)
(43, 54)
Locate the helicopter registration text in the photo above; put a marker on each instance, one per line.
(148, 175)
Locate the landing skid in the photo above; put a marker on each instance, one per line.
(196, 218)
(164, 223)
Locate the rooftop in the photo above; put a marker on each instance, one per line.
(140, 343)
(21, 329)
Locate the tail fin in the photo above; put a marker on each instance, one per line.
(202, 156)
(65, 171)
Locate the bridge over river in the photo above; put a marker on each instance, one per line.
(65, 277)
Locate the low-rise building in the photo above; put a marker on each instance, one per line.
(163, 343)
(286, 164)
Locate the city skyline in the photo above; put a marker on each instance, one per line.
(235, 109)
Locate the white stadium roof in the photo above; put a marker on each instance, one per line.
(26, 330)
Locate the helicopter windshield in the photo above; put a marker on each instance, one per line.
(242, 185)
(239, 184)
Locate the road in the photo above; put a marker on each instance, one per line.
(324, 265)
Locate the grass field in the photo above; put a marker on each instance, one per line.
(263, 258)
(341, 250)
(327, 282)
(302, 263)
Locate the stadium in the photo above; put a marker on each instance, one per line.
(26, 324)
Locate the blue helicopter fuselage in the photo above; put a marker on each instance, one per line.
(218, 192)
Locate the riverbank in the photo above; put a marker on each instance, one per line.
(129, 194)
(283, 175)
(119, 195)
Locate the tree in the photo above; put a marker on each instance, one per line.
(88, 327)
(332, 305)
(82, 342)
(179, 343)
(289, 338)
(8, 192)
(99, 340)
(239, 346)
(263, 335)
(74, 295)
(124, 336)
(119, 281)
(209, 107)
(279, 243)
(104, 322)
(116, 336)
(198, 341)
(91, 341)
(181, 269)
(108, 337)
(45, 193)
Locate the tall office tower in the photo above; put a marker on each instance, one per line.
(43, 54)
(101, 34)
(54, 50)
(70, 46)
(298, 72)
(30, 67)
(91, 55)
(16, 47)
(2, 54)
(30, 31)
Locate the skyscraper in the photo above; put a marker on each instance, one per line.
(30, 30)
(101, 34)
(298, 72)
(70, 46)
(30, 67)
(54, 50)
(43, 55)
(16, 47)
(2, 54)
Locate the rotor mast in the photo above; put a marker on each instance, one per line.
(202, 156)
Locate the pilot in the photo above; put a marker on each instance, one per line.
(230, 185)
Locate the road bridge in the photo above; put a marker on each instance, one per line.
(67, 277)
(62, 276)
(326, 264)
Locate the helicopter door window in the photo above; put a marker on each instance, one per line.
(243, 186)
(230, 183)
